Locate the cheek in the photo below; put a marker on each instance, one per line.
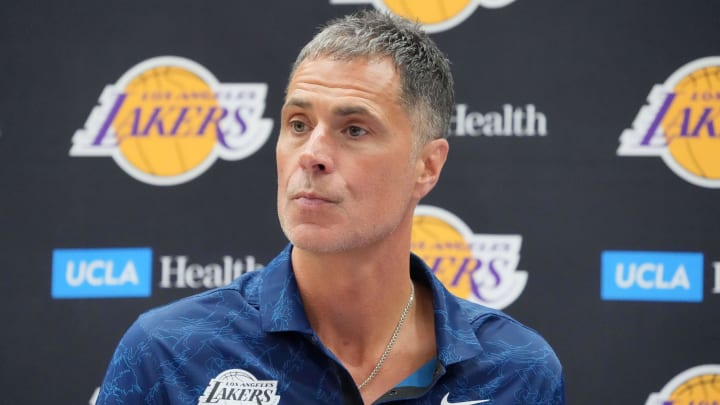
(281, 163)
(390, 182)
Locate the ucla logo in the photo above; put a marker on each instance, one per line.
(98, 273)
(478, 267)
(681, 124)
(652, 276)
(168, 119)
(695, 386)
(435, 15)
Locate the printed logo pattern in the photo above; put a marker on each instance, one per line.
(696, 386)
(446, 401)
(436, 15)
(102, 273)
(168, 119)
(652, 276)
(239, 387)
(481, 268)
(681, 124)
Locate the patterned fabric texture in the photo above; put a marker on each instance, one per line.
(257, 328)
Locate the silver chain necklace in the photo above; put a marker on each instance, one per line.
(392, 341)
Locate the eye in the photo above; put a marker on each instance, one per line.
(356, 132)
(298, 126)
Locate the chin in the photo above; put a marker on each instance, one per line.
(323, 241)
(317, 242)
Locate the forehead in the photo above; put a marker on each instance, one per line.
(374, 81)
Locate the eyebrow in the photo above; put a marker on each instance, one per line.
(351, 110)
(341, 110)
(297, 102)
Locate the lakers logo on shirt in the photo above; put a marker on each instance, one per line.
(434, 15)
(681, 124)
(168, 119)
(239, 387)
(478, 267)
(697, 386)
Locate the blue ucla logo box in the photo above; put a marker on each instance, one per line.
(102, 273)
(652, 276)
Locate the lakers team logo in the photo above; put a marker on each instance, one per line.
(239, 387)
(434, 15)
(681, 124)
(697, 386)
(478, 267)
(168, 119)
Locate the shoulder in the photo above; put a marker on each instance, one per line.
(206, 315)
(469, 330)
(199, 316)
(164, 345)
(492, 324)
(238, 300)
(501, 334)
(514, 349)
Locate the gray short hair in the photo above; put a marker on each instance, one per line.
(425, 80)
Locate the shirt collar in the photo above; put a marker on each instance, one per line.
(281, 308)
(456, 339)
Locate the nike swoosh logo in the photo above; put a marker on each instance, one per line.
(445, 401)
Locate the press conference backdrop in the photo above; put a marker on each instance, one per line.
(581, 193)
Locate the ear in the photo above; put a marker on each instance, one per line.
(430, 162)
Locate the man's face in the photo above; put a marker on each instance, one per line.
(346, 174)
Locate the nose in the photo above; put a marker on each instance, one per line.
(317, 151)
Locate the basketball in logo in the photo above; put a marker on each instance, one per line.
(699, 385)
(703, 389)
(445, 250)
(240, 387)
(681, 123)
(427, 12)
(433, 15)
(692, 124)
(166, 147)
(168, 119)
(481, 268)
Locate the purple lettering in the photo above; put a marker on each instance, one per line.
(243, 127)
(464, 269)
(241, 121)
(180, 120)
(704, 121)
(209, 119)
(495, 273)
(436, 265)
(658, 119)
(136, 122)
(685, 122)
(154, 120)
(108, 121)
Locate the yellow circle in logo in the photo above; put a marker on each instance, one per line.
(446, 251)
(427, 12)
(165, 127)
(692, 124)
(703, 389)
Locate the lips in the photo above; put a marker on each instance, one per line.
(312, 198)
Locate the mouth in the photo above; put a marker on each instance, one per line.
(312, 199)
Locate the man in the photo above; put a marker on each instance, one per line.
(345, 314)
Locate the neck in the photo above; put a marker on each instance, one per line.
(353, 300)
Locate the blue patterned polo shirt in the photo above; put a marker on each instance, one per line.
(251, 343)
